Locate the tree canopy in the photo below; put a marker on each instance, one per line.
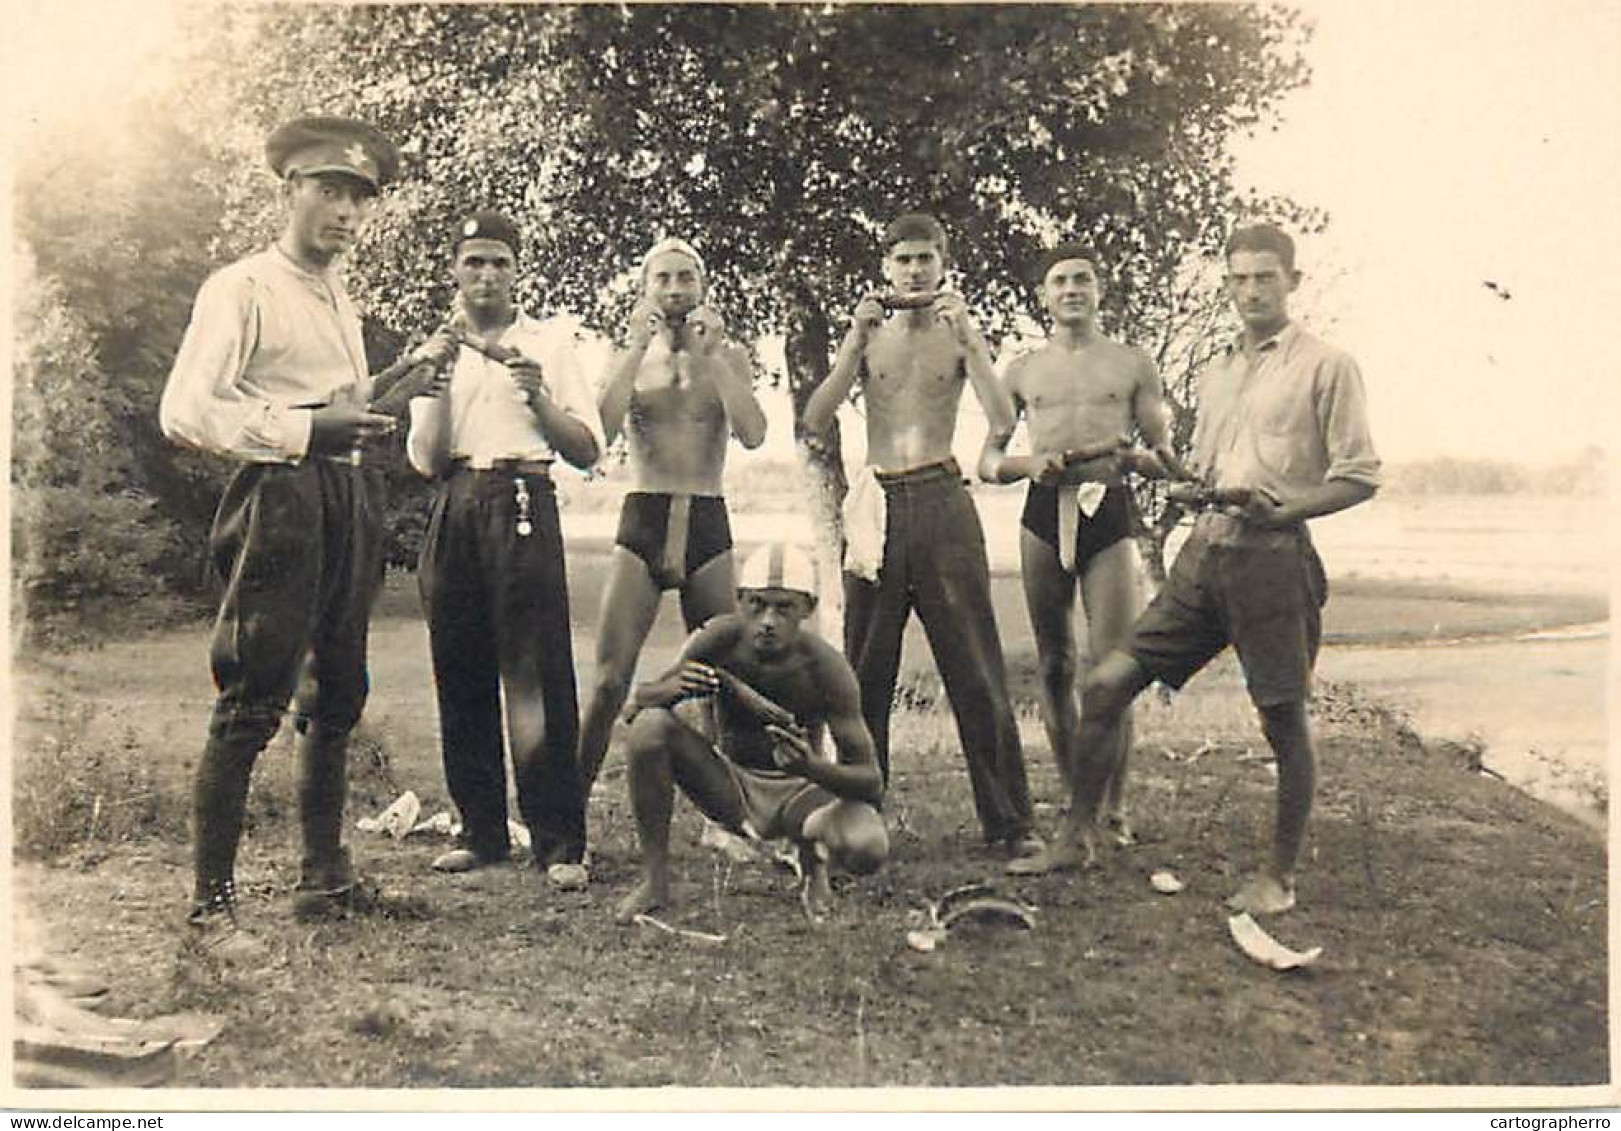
(779, 138)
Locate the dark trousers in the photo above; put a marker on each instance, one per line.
(497, 609)
(299, 551)
(934, 561)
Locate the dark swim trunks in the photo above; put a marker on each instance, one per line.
(1093, 535)
(675, 535)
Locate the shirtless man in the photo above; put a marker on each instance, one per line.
(775, 690)
(676, 390)
(914, 538)
(1082, 395)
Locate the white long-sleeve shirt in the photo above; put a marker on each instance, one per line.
(489, 417)
(266, 336)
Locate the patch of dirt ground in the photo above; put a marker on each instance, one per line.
(1463, 927)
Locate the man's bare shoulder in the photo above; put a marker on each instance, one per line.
(1138, 358)
(716, 639)
(1016, 370)
(1117, 352)
(831, 668)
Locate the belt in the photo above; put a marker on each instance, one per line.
(941, 469)
(528, 467)
(1226, 530)
(341, 459)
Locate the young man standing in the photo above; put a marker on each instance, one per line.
(676, 391)
(914, 536)
(775, 689)
(1083, 396)
(492, 574)
(1283, 424)
(272, 372)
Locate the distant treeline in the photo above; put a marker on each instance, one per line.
(1586, 474)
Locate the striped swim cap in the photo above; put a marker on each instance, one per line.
(779, 565)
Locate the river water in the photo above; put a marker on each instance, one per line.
(1538, 703)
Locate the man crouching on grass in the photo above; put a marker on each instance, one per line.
(773, 688)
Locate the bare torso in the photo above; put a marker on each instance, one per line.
(796, 682)
(913, 389)
(676, 427)
(1077, 398)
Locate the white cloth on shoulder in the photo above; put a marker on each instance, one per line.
(866, 521)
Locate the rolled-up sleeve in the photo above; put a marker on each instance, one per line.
(426, 445)
(571, 390)
(204, 405)
(1342, 418)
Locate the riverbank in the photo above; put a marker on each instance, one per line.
(1463, 923)
(1458, 611)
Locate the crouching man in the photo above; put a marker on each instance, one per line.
(770, 690)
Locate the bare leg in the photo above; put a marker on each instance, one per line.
(710, 591)
(1109, 690)
(1049, 596)
(1110, 595)
(816, 897)
(1272, 890)
(850, 834)
(662, 752)
(629, 604)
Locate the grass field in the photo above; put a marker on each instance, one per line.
(1463, 923)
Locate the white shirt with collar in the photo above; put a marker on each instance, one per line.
(267, 339)
(490, 418)
(1286, 418)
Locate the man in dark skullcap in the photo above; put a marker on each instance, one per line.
(492, 575)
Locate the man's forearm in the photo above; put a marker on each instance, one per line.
(830, 394)
(996, 466)
(568, 436)
(993, 398)
(621, 384)
(1333, 496)
(743, 413)
(851, 782)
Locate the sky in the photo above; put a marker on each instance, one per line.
(1452, 144)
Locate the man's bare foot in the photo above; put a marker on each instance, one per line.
(1121, 830)
(1263, 894)
(817, 895)
(644, 897)
(1066, 853)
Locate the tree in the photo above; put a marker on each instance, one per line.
(86, 542)
(115, 226)
(782, 137)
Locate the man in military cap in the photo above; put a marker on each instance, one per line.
(492, 576)
(763, 771)
(272, 372)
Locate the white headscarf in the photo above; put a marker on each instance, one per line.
(673, 243)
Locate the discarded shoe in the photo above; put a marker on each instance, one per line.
(565, 876)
